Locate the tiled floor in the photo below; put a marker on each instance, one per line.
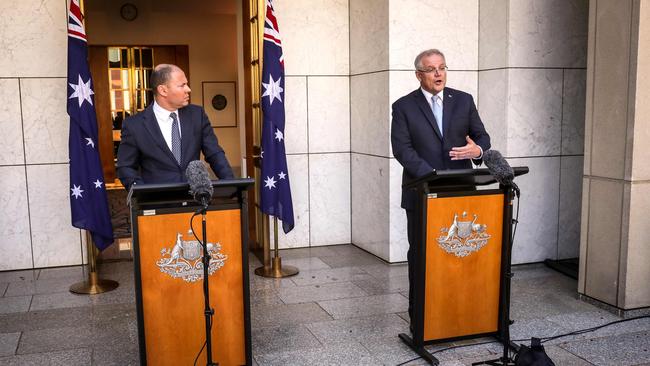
(346, 307)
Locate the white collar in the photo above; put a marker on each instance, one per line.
(160, 111)
(428, 95)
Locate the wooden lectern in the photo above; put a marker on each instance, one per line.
(169, 273)
(462, 285)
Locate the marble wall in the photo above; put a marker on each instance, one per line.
(532, 75)
(317, 133)
(34, 185)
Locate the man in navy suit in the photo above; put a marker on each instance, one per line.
(433, 128)
(158, 143)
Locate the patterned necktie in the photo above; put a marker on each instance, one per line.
(176, 138)
(437, 111)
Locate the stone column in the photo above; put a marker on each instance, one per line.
(615, 234)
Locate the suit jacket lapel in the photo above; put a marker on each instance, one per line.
(425, 107)
(186, 134)
(151, 124)
(448, 104)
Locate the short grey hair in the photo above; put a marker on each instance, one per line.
(160, 75)
(418, 59)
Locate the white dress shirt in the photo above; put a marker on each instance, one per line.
(165, 122)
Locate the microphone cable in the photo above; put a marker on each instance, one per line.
(543, 339)
(202, 246)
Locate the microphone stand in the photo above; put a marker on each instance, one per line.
(208, 312)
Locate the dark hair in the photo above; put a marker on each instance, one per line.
(418, 60)
(160, 75)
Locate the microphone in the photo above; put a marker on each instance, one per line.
(500, 169)
(199, 180)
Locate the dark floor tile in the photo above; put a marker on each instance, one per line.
(36, 320)
(308, 252)
(15, 304)
(385, 270)
(13, 276)
(619, 350)
(278, 339)
(292, 314)
(351, 260)
(264, 283)
(47, 340)
(525, 329)
(327, 291)
(123, 294)
(59, 300)
(74, 273)
(45, 286)
(560, 357)
(365, 306)
(376, 326)
(390, 349)
(306, 264)
(344, 250)
(8, 343)
(387, 285)
(72, 357)
(127, 356)
(532, 271)
(349, 353)
(265, 297)
(322, 276)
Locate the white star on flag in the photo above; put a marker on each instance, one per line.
(272, 89)
(262, 154)
(278, 135)
(269, 182)
(82, 91)
(90, 142)
(282, 175)
(76, 191)
(98, 183)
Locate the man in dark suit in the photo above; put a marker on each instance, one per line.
(158, 143)
(433, 128)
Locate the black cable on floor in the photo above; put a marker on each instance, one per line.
(543, 340)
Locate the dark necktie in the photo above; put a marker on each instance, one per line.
(176, 138)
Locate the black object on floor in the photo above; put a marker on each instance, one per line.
(568, 267)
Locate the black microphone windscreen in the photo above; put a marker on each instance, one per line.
(199, 180)
(498, 167)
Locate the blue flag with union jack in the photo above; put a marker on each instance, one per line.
(276, 192)
(88, 200)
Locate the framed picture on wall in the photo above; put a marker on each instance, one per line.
(220, 102)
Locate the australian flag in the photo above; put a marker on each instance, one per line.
(88, 200)
(276, 192)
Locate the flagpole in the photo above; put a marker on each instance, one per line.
(276, 270)
(93, 285)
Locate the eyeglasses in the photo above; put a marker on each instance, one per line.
(439, 70)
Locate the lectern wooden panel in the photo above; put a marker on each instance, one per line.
(463, 263)
(173, 307)
(168, 271)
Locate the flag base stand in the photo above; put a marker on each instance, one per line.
(93, 285)
(275, 268)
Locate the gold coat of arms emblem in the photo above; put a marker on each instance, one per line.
(183, 260)
(463, 236)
